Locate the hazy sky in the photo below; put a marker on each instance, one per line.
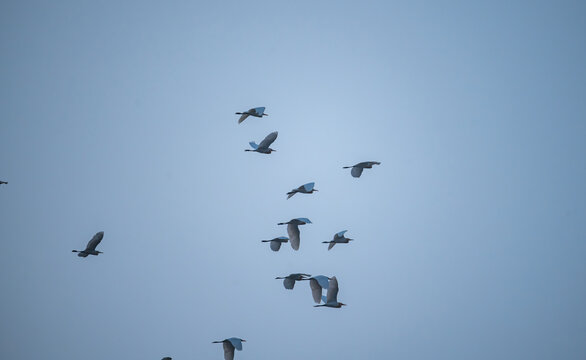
(119, 116)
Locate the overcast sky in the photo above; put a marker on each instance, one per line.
(119, 117)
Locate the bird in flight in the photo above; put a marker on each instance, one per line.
(276, 242)
(90, 249)
(229, 346)
(3, 182)
(339, 238)
(289, 280)
(357, 169)
(331, 299)
(256, 112)
(317, 283)
(303, 189)
(293, 230)
(263, 147)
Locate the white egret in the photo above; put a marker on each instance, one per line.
(256, 112)
(229, 346)
(304, 189)
(339, 238)
(90, 249)
(293, 230)
(357, 169)
(263, 147)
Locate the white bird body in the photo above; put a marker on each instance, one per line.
(256, 112)
(263, 147)
(339, 238)
(357, 169)
(229, 346)
(303, 189)
(293, 230)
(331, 299)
(90, 249)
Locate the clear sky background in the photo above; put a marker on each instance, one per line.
(119, 116)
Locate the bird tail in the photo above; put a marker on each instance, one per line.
(253, 145)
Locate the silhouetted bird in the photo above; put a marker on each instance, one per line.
(3, 182)
(357, 169)
(331, 299)
(90, 249)
(263, 147)
(229, 346)
(293, 230)
(166, 358)
(304, 189)
(289, 280)
(276, 242)
(339, 238)
(256, 112)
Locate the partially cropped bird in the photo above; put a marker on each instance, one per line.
(357, 169)
(229, 346)
(339, 238)
(276, 242)
(256, 112)
(304, 189)
(3, 182)
(317, 283)
(293, 230)
(289, 280)
(166, 358)
(331, 299)
(263, 147)
(90, 249)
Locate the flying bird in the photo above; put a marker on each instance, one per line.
(263, 147)
(317, 283)
(331, 299)
(3, 182)
(166, 358)
(90, 249)
(289, 280)
(276, 242)
(339, 238)
(256, 112)
(229, 346)
(293, 230)
(304, 189)
(357, 169)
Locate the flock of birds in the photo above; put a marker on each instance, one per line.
(317, 283)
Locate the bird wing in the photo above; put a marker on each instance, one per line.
(243, 117)
(275, 245)
(236, 342)
(228, 350)
(331, 245)
(91, 245)
(303, 220)
(323, 281)
(356, 171)
(293, 231)
(309, 186)
(268, 140)
(291, 193)
(282, 239)
(315, 290)
(340, 235)
(288, 283)
(332, 296)
(258, 111)
(253, 145)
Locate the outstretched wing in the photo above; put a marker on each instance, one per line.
(293, 231)
(91, 245)
(303, 220)
(332, 296)
(236, 342)
(268, 140)
(258, 111)
(275, 245)
(315, 290)
(356, 171)
(228, 350)
(253, 145)
(323, 281)
(243, 117)
(340, 235)
(309, 186)
(288, 283)
(331, 245)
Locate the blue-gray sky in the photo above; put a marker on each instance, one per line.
(119, 116)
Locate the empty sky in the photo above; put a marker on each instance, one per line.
(119, 116)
